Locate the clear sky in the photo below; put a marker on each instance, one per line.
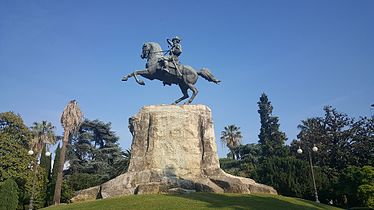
(302, 54)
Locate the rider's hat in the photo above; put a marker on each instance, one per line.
(176, 38)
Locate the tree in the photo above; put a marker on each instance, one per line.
(8, 195)
(356, 185)
(366, 194)
(94, 155)
(341, 140)
(246, 163)
(232, 137)
(71, 119)
(45, 165)
(42, 135)
(362, 142)
(249, 152)
(289, 176)
(52, 183)
(14, 160)
(271, 139)
(337, 138)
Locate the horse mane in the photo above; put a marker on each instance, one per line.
(157, 50)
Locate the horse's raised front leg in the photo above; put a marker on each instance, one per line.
(184, 89)
(134, 74)
(125, 78)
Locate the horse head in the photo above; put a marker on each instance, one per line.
(151, 50)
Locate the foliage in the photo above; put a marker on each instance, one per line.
(366, 194)
(66, 192)
(94, 155)
(14, 159)
(236, 167)
(249, 152)
(232, 137)
(45, 165)
(271, 139)
(362, 142)
(13, 125)
(43, 134)
(37, 186)
(203, 201)
(357, 186)
(80, 181)
(245, 165)
(71, 117)
(289, 176)
(341, 140)
(8, 195)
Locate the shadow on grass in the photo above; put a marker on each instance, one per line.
(252, 202)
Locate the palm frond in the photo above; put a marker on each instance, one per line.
(71, 117)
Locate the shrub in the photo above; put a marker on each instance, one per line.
(8, 195)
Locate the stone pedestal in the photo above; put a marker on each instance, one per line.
(174, 151)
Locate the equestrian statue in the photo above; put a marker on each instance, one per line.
(168, 69)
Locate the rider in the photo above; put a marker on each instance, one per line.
(174, 52)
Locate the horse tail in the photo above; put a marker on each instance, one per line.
(206, 74)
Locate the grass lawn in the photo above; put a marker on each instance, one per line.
(197, 201)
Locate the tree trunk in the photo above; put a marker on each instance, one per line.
(57, 195)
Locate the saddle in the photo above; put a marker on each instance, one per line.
(171, 68)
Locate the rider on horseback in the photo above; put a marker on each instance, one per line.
(174, 53)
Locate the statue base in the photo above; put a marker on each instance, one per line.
(173, 151)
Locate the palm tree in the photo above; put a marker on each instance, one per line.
(232, 137)
(71, 120)
(42, 135)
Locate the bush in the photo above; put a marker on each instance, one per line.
(8, 195)
(366, 194)
(357, 185)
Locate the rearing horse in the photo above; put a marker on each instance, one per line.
(153, 53)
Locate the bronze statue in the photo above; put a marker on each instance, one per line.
(155, 70)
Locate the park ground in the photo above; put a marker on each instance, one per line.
(198, 201)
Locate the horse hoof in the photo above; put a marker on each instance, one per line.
(124, 78)
(141, 83)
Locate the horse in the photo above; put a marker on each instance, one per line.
(154, 70)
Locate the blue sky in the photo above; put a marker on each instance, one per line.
(302, 54)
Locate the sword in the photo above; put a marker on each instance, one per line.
(176, 67)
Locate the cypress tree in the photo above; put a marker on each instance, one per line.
(52, 183)
(45, 164)
(271, 139)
